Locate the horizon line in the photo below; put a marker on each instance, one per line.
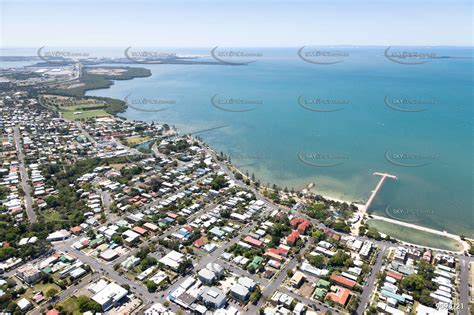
(238, 46)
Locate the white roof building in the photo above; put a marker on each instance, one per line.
(172, 259)
(110, 296)
(23, 304)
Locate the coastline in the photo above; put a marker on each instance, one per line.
(366, 216)
(462, 242)
(361, 209)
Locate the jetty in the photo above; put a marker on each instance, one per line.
(363, 209)
(378, 187)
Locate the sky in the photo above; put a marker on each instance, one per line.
(246, 23)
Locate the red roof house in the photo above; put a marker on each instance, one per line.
(139, 230)
(273, 254)
(198, 243)
(395, 275)
(300, 224)
(342, 281)
(340, 297)
(250, 240)
(283, 251)
(172, 215)
(293, 237)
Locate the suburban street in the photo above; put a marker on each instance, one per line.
(24, 177)
(464, 286)
(371, 281)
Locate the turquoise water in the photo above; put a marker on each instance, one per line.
(410, 235)
(286, 143)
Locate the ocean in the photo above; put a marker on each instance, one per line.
(332, 119)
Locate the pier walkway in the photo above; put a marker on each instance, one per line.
(363, 210)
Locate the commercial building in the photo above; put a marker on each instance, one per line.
(28, 273)
(207, 276)
(213, 297)
(110, 296)
(239, 292)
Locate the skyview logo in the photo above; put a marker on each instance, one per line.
(317, 159)
(322, 56)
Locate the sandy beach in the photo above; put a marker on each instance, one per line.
(457, 238)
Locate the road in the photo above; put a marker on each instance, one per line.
(275, 283)
(86, 134)
(319, 305)
(371, 281)
(107, 202)
(24, 177)
(89, 278)
(464, 298)
(136, 288)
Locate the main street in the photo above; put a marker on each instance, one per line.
(24, 177)
(464, 297)
(371, 281)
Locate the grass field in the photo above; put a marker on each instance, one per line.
(118, 166)
(43, 287)
(132, 141)
(52, 216)
(73, 115)
(84, 106)
(74, 109)
(70, 306)
(40, 287)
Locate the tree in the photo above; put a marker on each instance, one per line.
(373, 233)
(256, 295)
(339, 259)
(316, 261)
(318, 211)
(117, 239)
(87, 304)
(51, 293)
(91, 234)
(181, 220)
(184, 266)
(413, 282)
(151, 286)
(318, 235)
(147, 262)
(218, 182)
